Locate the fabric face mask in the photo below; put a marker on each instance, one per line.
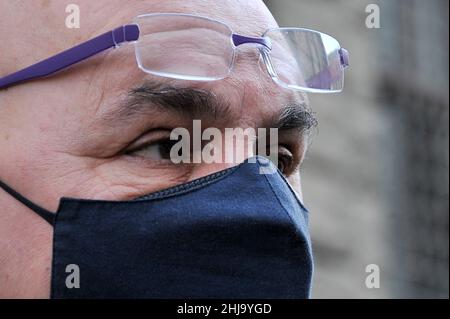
(233, 234)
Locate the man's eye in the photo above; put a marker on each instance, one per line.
(156, 151)
(153, 146)
(286, 163)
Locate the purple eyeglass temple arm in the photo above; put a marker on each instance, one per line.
(125, 33)
(345, 57)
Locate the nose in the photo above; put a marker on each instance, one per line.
(234, 146)
(265, 46)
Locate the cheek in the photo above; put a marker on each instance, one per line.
(62, 175)
(125, 179)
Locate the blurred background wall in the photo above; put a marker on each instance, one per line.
(376, 178)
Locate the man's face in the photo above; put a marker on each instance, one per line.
(100, 130)
(73, 135)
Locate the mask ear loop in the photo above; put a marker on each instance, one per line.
(45, 214)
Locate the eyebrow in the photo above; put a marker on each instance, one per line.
(188, 102)
(195, 103)
(296, 116)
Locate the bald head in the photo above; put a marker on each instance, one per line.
(31, 30)
(97, 130)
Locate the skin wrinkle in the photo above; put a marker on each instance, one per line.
(136, 187)
(201, 104)
(60, 144)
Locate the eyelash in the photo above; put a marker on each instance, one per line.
(286, 160)
(164, 147)
(281, 163)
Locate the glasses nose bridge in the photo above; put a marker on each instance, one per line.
(261, 41)
(264, 47)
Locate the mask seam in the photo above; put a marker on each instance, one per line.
(308, 242)
(291, 190)
(211, 179)
(190, 186)
(278, 200)
(284, 208)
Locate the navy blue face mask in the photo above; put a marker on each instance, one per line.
(233, 234)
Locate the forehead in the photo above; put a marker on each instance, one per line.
(244, 16)
(249, 90)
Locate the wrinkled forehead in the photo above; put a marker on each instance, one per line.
(249, 17)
